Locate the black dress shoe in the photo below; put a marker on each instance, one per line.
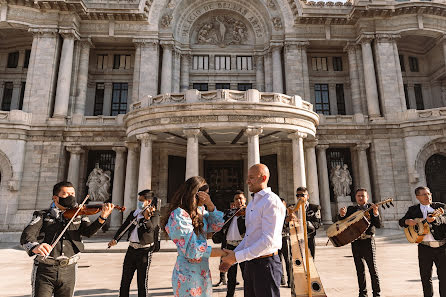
(237, 283)
(218, 284)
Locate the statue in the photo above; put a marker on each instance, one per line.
(98, 183)
(335, 178)
(345, 180)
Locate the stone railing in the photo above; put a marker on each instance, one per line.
(100, 120)
(195, 96)
(15, 117)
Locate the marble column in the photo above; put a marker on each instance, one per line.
(260, 73)
(268, 72)
(253, 145)
(411, 96)
(324, 186)
(16, 95)
(364, 173)
(145, 161)
(185, 68)
(369, 77)
(306, 77)
(293, 69)
(108, 93)
(166, 68)
(64, 78)
(145, 79)
(176, 71)
(297, 144)
(83, 77)
(74, 165)
(118, 186)
(354, 78)
(192, 166)
(277, 68)
(311, 165)
(131, 177)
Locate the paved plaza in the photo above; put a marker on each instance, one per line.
(100, 273)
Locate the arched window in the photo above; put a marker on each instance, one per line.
(436, 178)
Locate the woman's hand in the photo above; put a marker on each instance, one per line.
(205, 199)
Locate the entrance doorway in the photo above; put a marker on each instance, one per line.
(224, 179)
(435, 177)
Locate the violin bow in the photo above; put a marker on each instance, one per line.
(66, 227)
(232, 217)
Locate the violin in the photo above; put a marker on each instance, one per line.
(88, 210)
(240, 211)
(151, 210)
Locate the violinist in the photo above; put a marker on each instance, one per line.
(54, 269)
(144, 240)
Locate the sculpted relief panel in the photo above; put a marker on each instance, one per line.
(222, 30)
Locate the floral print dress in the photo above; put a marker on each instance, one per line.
(191, 275)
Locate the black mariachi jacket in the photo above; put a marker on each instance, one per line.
(313, 216)
(438, 227)
(240, 224)
(375, 222)
(148, 230)
(46, 225)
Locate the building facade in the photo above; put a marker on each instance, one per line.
(157, 91)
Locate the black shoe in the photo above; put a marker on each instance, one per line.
(282, 281)
(237, 283)
(218, 284)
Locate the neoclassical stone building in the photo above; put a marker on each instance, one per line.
(156, 91)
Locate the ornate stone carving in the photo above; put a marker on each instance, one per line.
(166, 20)
(222, 30)
(277, 23)
(171, 4)
(271, 4)
(341, 180)
(99, 184)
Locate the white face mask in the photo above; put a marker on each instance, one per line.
(140, 205)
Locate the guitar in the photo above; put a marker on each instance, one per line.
(416, 233)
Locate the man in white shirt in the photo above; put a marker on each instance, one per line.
(263, 238)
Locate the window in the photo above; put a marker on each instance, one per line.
(27, 55)
(222, 62)
(244, 63)
(403, 68)
(99, 99)
(119, 98)
(121, 62)
(319, 64)
(7, 96)
(13, 60)
(201, 63)
(340, 100)
(337, 63)
(321, 98)
(406, 95)
(222, 86)
(419, 96)
(244, 86)
(22, 95)
(102, 61)
(413, 64)
(200, 86)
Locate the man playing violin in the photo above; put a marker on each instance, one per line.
(54, 269)
(433, 247)
(144, 240)
(364, 248)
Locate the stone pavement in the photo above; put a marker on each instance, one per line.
(100, 273)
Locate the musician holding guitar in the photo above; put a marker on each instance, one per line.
(364, 248)
(432, 248)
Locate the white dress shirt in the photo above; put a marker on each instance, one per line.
(264, 221)
(134, 235)
(233, 231)
(425, 209)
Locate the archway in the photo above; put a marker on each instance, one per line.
(435, 177)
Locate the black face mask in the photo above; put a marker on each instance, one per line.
(68, 202)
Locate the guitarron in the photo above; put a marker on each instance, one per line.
(415, 234)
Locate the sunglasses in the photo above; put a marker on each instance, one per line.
(300, 195)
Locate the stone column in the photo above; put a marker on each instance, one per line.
(303, 48)
(354, 78)
(83, 77)
(268, 72)
(74, 165)
(299, 179)
(64, 78)
(145, 161)
(369, 77)
(277, 68)
(131, 177)
(176, 71)
(293, 69)
(260, 73)
(166, 69)
(411, 96)
(118, 186)
(108, 93)
(16, 95)
(185, 68)
(192, 168)
(253, 145)
(145, 79)
(324, 186)
(364, 176)
(312, 180)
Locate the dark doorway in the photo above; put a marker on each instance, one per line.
(436, 178)
(271, 162)
(175, 175)
(224, 178)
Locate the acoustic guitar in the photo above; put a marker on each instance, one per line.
(349, 229)
(416, 233)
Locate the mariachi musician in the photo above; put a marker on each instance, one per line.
(54, 269)
(364, 247)
(433, 247)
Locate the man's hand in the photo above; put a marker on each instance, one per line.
(43, 249)
(375, 209)
(410, 222)
(343, 211)
(430, 219)
(112, 242)
(227, 261)
(107, 208)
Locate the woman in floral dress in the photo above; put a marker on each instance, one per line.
(187, 224)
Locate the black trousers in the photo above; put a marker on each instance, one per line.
(284, 253)
(48, 280)
(262, 277)
(427, 256)
(136, 259)
(232, 274)
(365, 250)
(312, 245)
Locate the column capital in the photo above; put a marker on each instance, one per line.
(297, 135)
(365, 38)
(69, 34)
(191, 132)
(145, 42)
(362, 146)
(132, 146)
(351, 47)
(253, 131)
(119, 149)
(322, 147)
(276, 45)
(86, 43)
(145, 138)
(297, 43)
(39, 31)
(310, 143)
(167, 44)
(387, 37)
(77, 150)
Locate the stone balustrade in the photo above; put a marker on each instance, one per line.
(15, 117)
